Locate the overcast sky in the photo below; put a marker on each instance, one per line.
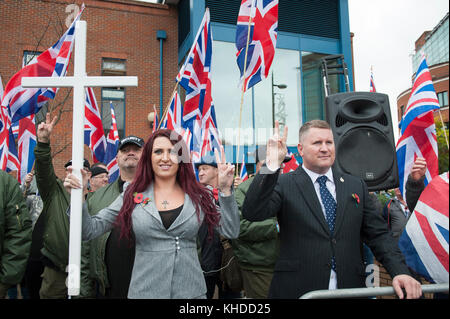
(385, 34)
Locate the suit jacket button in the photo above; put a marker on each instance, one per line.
(333, 241)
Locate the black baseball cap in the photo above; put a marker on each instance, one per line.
(85, 164)
(131, 139)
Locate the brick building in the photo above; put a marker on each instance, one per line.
(435, 44)
(121, 40)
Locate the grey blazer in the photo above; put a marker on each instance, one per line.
(166, 263)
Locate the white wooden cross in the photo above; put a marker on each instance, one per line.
(79, 81)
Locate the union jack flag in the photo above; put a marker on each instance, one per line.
(13, 162)
(18, 102)
(243, 175)
(174, 118)
(27, 143)
(194, 75)
(261, 42)
(112, 146)
(199, 119)
(372, 84)
(15, 129)
(209, 132)
(424, 242)
(94, 136)
(291, 165)
(418, 131)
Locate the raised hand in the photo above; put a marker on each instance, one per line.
(276, 148)
(419, 168)
(71, 181)
(225, 172)
(45, 129)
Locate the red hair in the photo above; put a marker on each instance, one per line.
(200, 195)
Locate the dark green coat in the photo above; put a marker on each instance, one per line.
(15, 231)
(257, 246)
(56, 201)
(95, 269)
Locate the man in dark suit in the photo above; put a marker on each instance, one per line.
(324, 216)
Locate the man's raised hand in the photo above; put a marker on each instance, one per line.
(276, 148)
(45, 129)
(225, 172)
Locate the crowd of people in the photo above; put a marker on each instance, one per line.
(158, 231)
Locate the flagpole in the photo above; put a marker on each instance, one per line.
(443, 127)
(168, 105)
(28, 186)
(243, 91)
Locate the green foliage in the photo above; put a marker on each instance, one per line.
(385, 196)
(442, 147)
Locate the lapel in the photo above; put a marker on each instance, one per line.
(187, 211)
(307, 190)
(342, 190)
(151, 206)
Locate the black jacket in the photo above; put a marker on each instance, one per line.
(306, 244)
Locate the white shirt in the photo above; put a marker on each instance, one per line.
(332, 189)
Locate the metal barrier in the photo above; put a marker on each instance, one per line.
(368, 292)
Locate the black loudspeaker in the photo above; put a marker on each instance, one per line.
(363, 134)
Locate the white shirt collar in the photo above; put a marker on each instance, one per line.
(314, 175)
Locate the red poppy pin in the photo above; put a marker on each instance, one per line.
(139, 199)
(356, 198)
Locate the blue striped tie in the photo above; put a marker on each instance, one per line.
(330, 208)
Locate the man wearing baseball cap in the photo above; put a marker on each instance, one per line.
(111, 258)
(128, 155)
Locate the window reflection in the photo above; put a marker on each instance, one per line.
(227, 97)
(313, 89)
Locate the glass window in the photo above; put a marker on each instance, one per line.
(313, 88)
(260, 101)
(29, 56)
(278, 97)
(227, 95)
(443, 99)
(116, 96)
(114, 65)
(436, 48)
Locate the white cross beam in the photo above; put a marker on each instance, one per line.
(79, 81)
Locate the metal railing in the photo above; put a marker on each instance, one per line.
(368, 292)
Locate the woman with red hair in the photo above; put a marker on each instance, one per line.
(164, 207)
